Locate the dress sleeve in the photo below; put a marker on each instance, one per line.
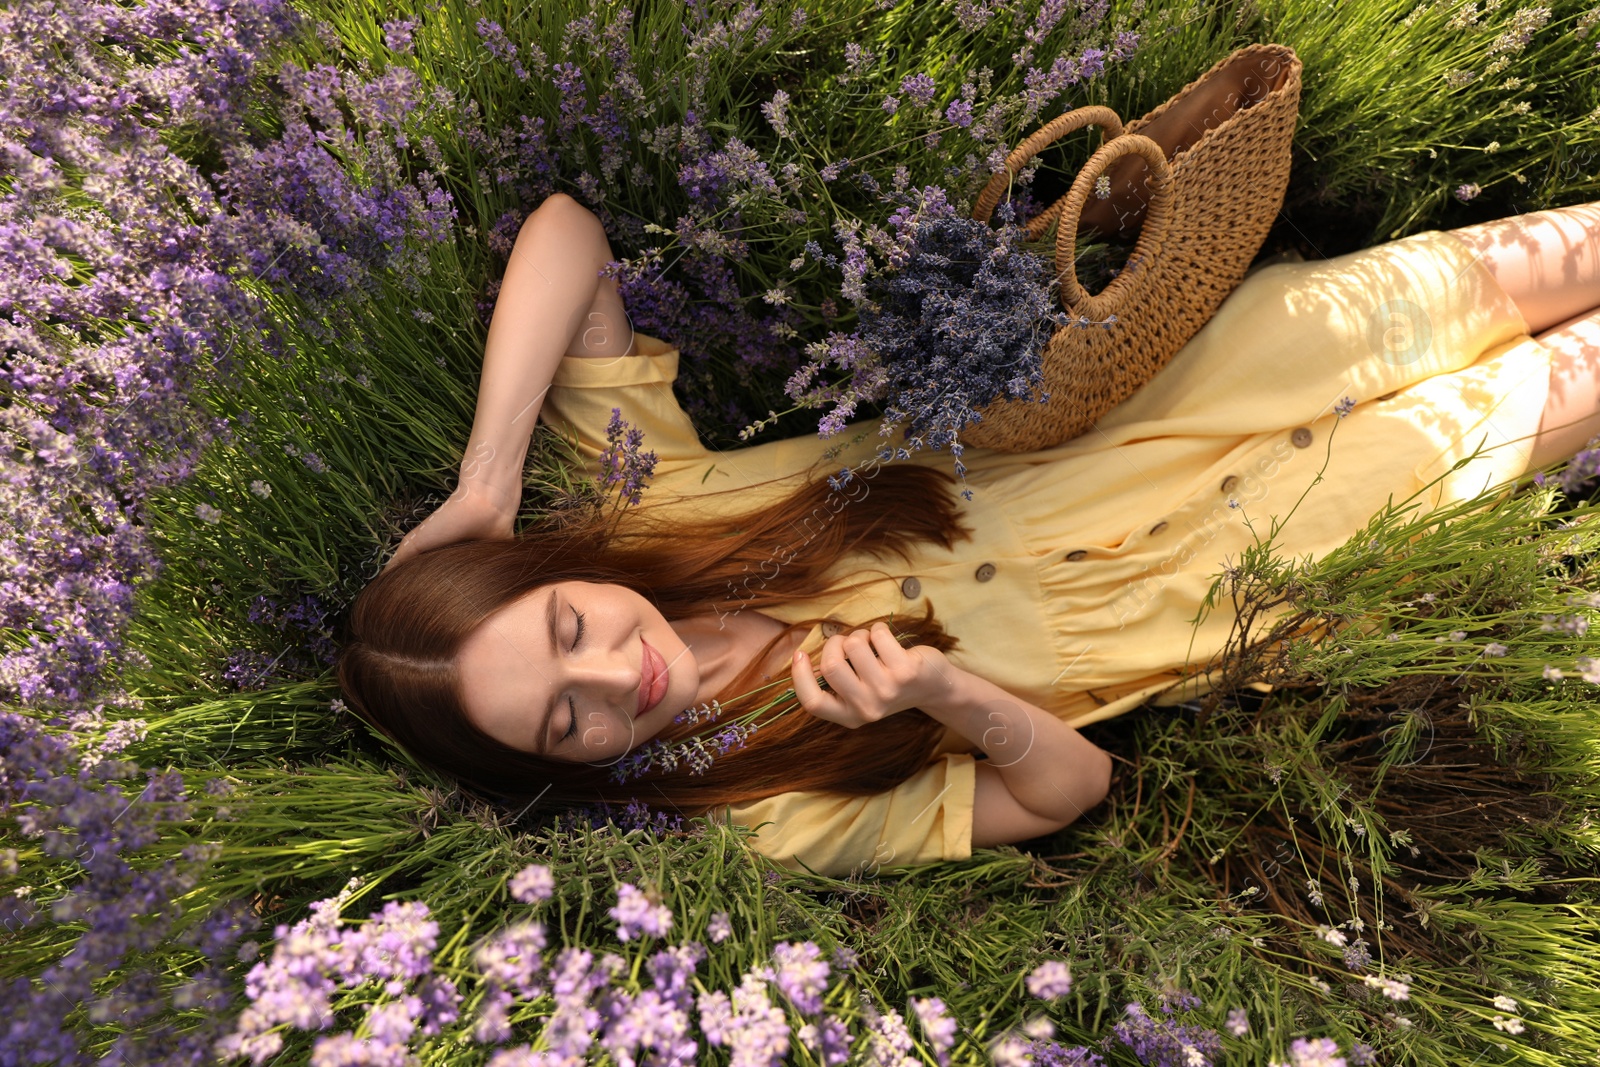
(584, 391)
(925, 819)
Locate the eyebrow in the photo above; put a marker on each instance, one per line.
(550, 708)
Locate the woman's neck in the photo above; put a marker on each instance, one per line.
(723, 645)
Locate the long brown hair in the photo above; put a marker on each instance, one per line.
(397, 660)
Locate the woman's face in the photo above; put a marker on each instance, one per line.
(564, 672)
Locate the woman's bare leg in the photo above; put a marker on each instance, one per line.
(1548, 262)
(1572, 414)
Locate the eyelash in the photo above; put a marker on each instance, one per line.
(573, 729)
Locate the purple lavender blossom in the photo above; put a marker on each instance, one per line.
(889, 1042)
(937, 1024)
(533, 884)
(397, 35)
(637, 916)
(828, 1039)
(800, 975)
(858, 60)
(777, 112)
(750, 1026)
(1050, 980)
(1165, 1041)
(622, 463)
(918, 88)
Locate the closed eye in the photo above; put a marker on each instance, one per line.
(572, 705)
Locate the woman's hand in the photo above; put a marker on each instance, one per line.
(871, 676)
(469, 515)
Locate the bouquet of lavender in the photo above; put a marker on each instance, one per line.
(960, 319)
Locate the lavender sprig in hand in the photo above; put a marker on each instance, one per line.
(700, 750)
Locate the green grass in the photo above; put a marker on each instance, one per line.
(1485, 768)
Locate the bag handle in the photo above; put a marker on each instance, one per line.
(1117, 144)
(1043, 137)
(1157, 217)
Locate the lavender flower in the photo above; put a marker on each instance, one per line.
(889, 1043)
(1165, 1041)
(918, 88)
(1318, 1052)
(937, 1024)
(1468, 191)
(800, 974)
(750, 1026)
(621, 463)
(1344, 406)
(829, 1040)
(777, 112)
(397, 35)
(533, 884)
(858, 60)
(637, 915)
(1050, 980)
(1238, 1022)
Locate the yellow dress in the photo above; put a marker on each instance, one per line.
(1090, 560)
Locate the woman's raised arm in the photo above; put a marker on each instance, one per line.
(552, 302)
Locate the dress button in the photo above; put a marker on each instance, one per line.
(1157, 528)
(830, 628)
(1388, 396)
(1229, 482)
(984, 573)
(910, 588)
(1301, 438)
(1077, 555)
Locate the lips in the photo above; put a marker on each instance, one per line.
(653, 679)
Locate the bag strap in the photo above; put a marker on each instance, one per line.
(1157, 217)
(1043, 137)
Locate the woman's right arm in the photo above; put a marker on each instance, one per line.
(1040, 775)
(545, 299)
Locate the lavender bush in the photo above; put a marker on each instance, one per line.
(250, 269)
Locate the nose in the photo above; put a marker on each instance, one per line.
(611, 674)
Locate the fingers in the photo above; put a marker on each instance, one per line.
(810, 694)
(842, 673)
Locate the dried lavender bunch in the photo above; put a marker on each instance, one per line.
(960, 319)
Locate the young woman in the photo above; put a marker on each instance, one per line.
(1065, 592)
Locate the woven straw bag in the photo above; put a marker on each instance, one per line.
(1205, 212)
